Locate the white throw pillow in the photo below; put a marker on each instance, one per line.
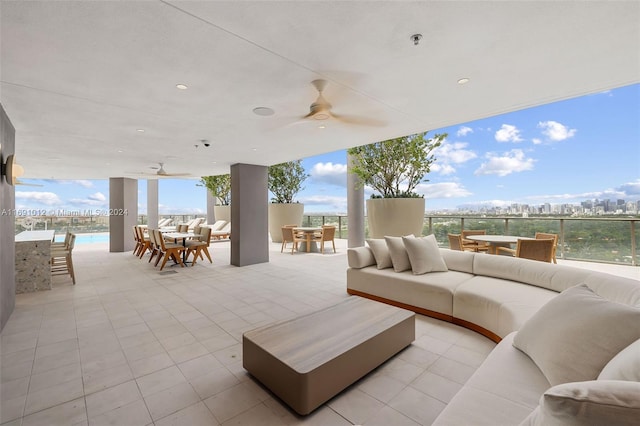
(624, 366)
(595, 402)
(399, 256)
(380, 252)
(424, 255)
(574, 335)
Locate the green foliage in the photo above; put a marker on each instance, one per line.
(285, 181)
(219, 186)
(395, 167)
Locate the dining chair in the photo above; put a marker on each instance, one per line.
(145, 243)
(170, 251)
(65, 243)
(554, 237)
(455, 243)
(197, 247)
(328, 234)
(153, 245)
(538, 249)
(62, 260)
(157, 237)
(182, 227)
(475, 245)
(136, 238)
(289, 236)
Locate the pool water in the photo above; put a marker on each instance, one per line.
(102, 237)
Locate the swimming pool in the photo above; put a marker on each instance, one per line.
(99, 237)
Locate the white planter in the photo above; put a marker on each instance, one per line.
(222, 213)
(395, 216)
(283, 214)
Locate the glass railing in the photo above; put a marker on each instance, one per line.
(606, 240)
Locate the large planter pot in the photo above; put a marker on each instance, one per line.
(395, 216)
(283, 214)
(222, 213)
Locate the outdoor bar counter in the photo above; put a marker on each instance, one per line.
(33, 254)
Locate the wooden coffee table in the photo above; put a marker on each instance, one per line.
(308, 360)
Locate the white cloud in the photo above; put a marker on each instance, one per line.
(451, 153)
(82, 182)
(464, 131)
(630, 188)
(97, 200)
(442, 190)
(46, 198)
(508, 133)
(556, 131)
(333, 203)
(333, 174)
(536, 141)
(505, 164)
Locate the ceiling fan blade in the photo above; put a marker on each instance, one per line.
(19, 182)
(360, 121)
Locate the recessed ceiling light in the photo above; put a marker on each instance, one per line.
(264, 111)
(140, 130)
(322, 126)
(254, 149)
(120, 151)
(464, 80)
(181, 86)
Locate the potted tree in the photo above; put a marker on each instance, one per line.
(394, 168)
(220, 188)
(285, 181)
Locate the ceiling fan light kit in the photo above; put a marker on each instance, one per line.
(12, 170)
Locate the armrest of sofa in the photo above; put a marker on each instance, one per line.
(360, 257)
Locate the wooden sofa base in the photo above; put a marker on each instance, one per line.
(433, 314)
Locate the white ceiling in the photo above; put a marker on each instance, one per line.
(80, 77)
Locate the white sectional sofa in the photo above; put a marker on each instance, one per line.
(576, 358)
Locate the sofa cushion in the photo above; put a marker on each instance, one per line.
(498, 305)
(596, 402)
(458, 260)
(360, 257)
(380, 252)
(399, 255)
(424, 255)
(624, 366)
(576, 334)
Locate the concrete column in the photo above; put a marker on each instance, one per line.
(123, 205)
(152, 203)
(355, 208)
(211, 214)
(249, 215)
(7, 224)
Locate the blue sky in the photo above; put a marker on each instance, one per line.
(564, 152)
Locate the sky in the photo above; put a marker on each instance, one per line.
(565, 152)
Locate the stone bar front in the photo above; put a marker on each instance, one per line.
(33, 257)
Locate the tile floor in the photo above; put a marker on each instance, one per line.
(129, 345)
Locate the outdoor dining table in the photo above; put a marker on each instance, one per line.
(175, 236)
(495, 241)
(309, 245)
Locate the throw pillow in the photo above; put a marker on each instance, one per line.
(424, 255)
(399, 256)
(596, 402)
(573, 336)
(624, 366)
(380, 253)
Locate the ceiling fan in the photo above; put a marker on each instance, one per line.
(320, 110)
(161, 172)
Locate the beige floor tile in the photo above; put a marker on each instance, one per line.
(69, 413)
(219, 342)
(465, 356)
(138, 339)
(109, 399)
(452, 370)
(103, 362)
(187, 352)
(178, 341)
(355, 405)
(418, 356)
(160, 380)
(144, 350)
(132, 414)
(436, 386)
(417, 406)
(145, 366)
(381, 387)
(54, 377)
(171, 400)
(198, 366)
(229, 355)
(432, 344)
(14, 388)
(12, 408)
(195, 415)
(56, 348)
(231, 402)
(387, 416)
(54, 395)
(94, 382)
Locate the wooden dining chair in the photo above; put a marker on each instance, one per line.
(328, 234)
(153, 245)
(554, 237)
(475, 245)
(62, 260)
(197, 247)
(170, 250)
(145, 243)
(455, 243)
(539, 249)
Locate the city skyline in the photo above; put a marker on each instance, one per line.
(565, 152)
